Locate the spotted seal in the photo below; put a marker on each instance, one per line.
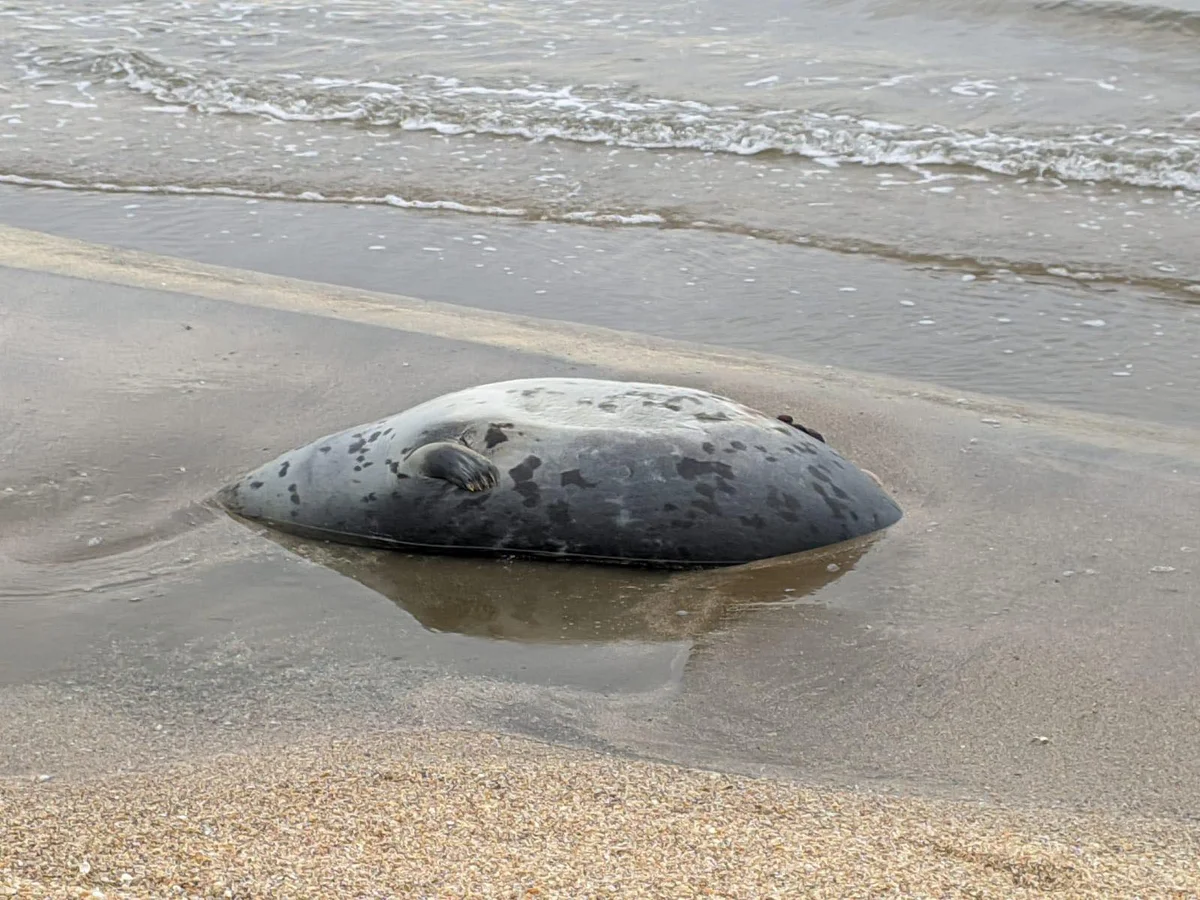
(572, 468)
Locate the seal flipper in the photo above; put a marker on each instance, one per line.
(455, 463)
(811, 432)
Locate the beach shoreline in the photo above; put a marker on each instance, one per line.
(1020, 640)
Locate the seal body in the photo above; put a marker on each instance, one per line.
(572, 468)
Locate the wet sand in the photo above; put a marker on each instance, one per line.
(1025, 636)
(1115, 345)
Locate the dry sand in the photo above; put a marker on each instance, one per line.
(458, 814)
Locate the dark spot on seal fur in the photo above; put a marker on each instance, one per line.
(737, 445)
(607, 406)
(575, 477)
(369, 498)
(708, 447)
(530, 491)
(710, 508)
(295, 494)
(754, 521)
(559, 513)
(367, 464)
(284, 468)
(255, 485)
(325, 449)
(690, 468)
(495, 435)
(473, 502)
(374, 437)
(706, 490)
(360, 457)
(356, 447)
(524, 470)
(712, 417)
(820, 473)
(785, 505)
(523, 483)
(358, 468)
(836, 507)
(777, 500)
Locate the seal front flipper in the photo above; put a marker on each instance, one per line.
(455, 463)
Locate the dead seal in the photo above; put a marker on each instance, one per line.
(572, 468)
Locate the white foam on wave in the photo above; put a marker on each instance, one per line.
(302, 196)
(599, 218)
(605, 114)
(588, 217)
(591, 217)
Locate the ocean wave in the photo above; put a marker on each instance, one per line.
(1118, 19)
(1173, 22)
(249, 193)
(1180, 289)
(1168, 18)
(606, 114)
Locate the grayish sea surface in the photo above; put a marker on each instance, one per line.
(1006, 192)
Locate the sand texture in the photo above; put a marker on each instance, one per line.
(458, 814)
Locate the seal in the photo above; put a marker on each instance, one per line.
(572, 468)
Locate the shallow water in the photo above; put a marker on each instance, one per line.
(1001, 196)
(1101, 347)
(1019, 134)
(579, 604)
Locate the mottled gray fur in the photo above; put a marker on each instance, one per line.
(572, 468)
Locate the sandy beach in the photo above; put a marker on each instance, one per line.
(995, 698)
(470, 815)
(956, 238)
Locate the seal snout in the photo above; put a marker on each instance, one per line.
(230, 496)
